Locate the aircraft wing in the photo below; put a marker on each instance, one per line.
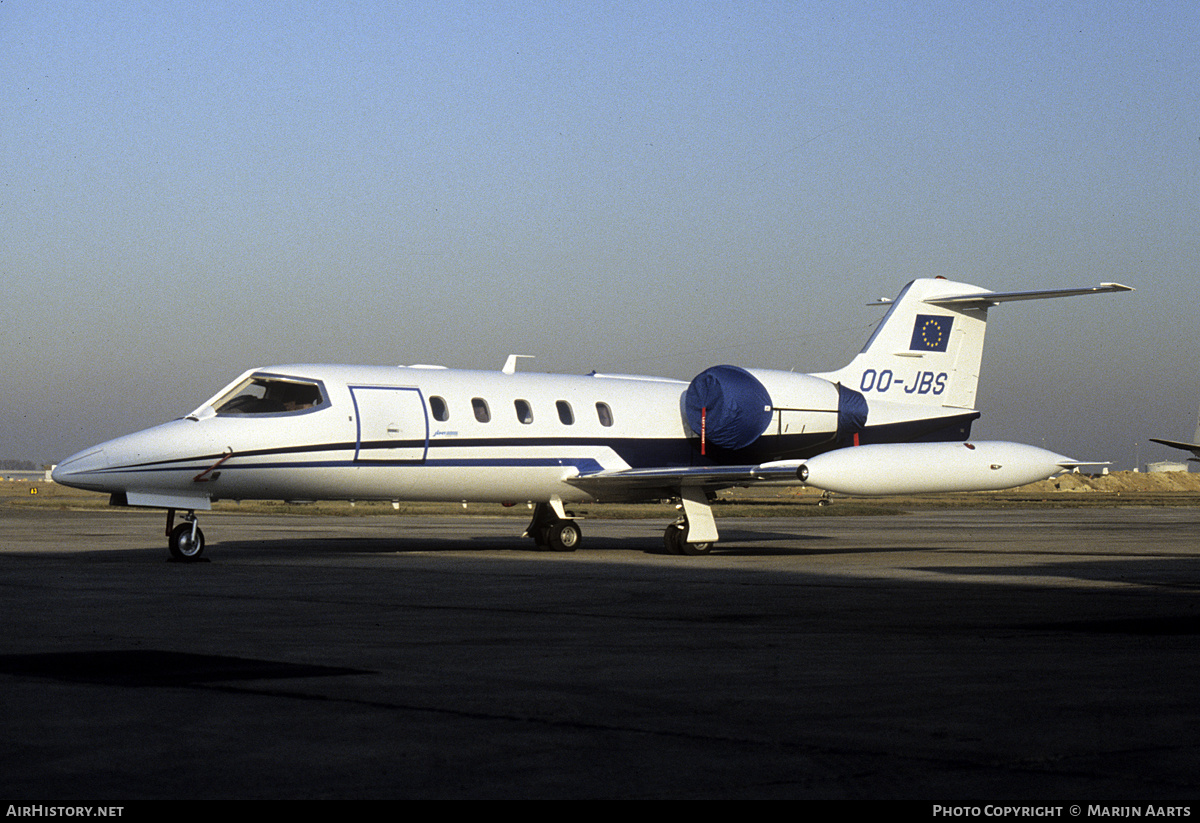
(875, 469)
(641, 483)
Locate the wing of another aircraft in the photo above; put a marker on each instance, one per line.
(1194, 448)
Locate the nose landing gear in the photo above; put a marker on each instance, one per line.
(185, 541)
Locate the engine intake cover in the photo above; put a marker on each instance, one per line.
(736, 407)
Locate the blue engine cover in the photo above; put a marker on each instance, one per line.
(737, 407)
(852, 411)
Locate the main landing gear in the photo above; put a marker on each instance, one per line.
(185, 541)
(694, 532)
(552, 530)
(675, 538)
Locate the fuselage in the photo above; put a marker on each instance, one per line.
(428, 433)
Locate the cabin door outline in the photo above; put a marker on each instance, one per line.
(391, 424)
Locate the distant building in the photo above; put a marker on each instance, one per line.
(1167, 466)
(25, 476)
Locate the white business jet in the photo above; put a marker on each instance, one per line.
(894, 421)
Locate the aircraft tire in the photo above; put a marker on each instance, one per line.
(695, 549)
(181, 545)
(563, 536)
(675, 539)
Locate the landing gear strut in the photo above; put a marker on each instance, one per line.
(185, 541)
(695, 522)
(551, 531)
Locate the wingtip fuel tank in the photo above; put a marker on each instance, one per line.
(930, 468)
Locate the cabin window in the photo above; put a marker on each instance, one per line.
(269, 395)
(524, 412)
(437, 405)
(480, 407)
(604, 413)
(564, 412)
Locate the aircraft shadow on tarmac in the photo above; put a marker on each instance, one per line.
(151, 667)
(1177, 574)
(490, 544)
(735, 543)
(1174, 572)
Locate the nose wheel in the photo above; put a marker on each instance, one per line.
(186, 541)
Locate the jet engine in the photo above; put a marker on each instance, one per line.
(732, 407)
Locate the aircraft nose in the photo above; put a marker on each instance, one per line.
(81, 469)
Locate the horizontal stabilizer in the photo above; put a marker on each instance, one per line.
(993, 297)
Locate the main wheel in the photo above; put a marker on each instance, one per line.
(563, 536)
(181, 544)
(675, 539)
(675, 536)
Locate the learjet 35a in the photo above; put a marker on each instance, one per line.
(896, 420)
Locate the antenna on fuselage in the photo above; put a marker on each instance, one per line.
(510, 365)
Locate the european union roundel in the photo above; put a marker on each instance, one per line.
(931, 332)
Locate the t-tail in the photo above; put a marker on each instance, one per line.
(928, 348)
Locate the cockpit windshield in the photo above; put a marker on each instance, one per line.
(261, 394)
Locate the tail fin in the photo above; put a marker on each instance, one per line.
(928, 348)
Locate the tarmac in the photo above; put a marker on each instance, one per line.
(985, 656)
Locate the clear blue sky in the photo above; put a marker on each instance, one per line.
(191, 189)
